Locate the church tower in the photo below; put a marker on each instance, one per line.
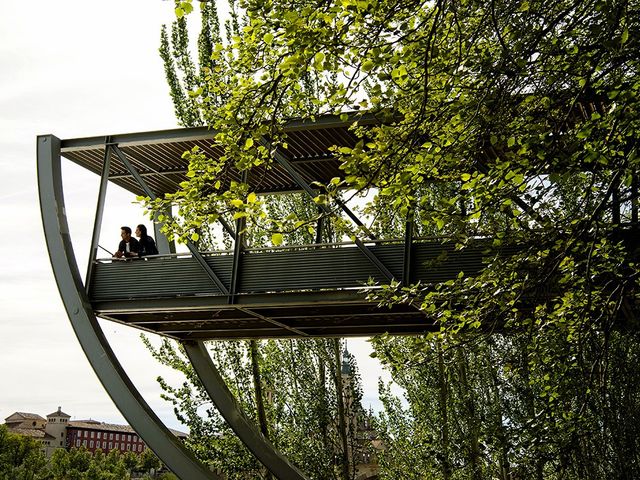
(57, 427)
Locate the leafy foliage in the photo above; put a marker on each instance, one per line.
(20, 457)
(511, 123)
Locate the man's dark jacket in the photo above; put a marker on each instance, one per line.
(134, 246)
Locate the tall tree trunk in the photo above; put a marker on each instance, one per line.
(324, 420)
(501, 433)
(443, 396)
(342, 424)
(531, 412)
(471, 416)
(257, 386)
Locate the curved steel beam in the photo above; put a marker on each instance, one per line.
(234, 416)
(87, 329)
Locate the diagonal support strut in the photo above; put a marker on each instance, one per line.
(228, 407)
(284, 162)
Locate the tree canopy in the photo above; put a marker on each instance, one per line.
(509, 121)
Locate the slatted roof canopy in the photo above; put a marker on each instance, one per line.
(158, 155)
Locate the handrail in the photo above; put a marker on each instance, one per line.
(284, 248)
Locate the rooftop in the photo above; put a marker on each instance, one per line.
(110, 427)
(26, 416)
(158, 155)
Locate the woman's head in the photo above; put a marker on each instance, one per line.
(141, 231)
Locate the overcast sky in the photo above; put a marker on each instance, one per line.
(76, 69)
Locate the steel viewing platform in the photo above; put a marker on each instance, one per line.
(302, 291)
(305, 291)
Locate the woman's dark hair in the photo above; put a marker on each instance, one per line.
(143, 231)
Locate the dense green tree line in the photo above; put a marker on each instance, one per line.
(21, 458)
(514, 122)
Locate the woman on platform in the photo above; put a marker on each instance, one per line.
(146, 244)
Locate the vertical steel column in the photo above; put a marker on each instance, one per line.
(235, 417)
(408, 250)
(615, 205)
(162, 242)
(97, 223)
(634, 198)
(238, 245)
(319, 227)
(87, 329)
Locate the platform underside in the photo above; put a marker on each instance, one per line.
(254, 319)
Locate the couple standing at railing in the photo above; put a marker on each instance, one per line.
(129, 247)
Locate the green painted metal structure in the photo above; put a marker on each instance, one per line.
(302, 291)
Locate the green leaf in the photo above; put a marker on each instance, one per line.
(625, 36)
(268, 38)
(276, 239)
(187, 7)
(368, 65)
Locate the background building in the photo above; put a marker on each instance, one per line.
(58, 431)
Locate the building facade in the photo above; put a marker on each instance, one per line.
(94, 435)
(59, 431)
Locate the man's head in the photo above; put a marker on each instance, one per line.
(125, 233)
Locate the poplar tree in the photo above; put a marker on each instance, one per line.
(514, 123)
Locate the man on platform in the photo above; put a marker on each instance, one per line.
(128, 246)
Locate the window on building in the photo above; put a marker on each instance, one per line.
(110, 445)
(128, 447)
(84, 443)
(77, 442)
(98, 435)
(117, 436)
(104, 444)
(62, 435)
(111, 436)
(90, 443)
(139, 448)
(92, 434)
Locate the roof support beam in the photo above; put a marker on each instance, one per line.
(226, 404)
(86, 327)
(284, 162)
(192, 248)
